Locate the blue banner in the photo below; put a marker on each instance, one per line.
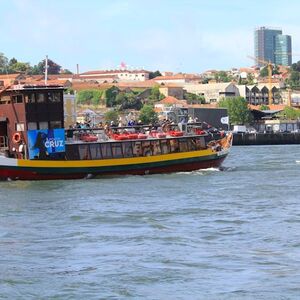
(45, 143)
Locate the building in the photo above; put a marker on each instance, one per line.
(271, 45)
(115, 75)
(213, 92)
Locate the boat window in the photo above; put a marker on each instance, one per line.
(165, 146)
(200, 142)
(156, 147)
(17, 98)
(106, 150)
(116, 150)
(174, 145)
(32, 126)
(72, 152)
(19, 126)
(127, 149)
(55, 124)
(84, 152)
(53, 96)
(95, 151)
(43, 125)
(40, 98)
(30, 98)
(137, 149)
(5, 100)
(146, 148)
(192, 144)
(183, 145)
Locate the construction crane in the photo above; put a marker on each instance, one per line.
(270, 69)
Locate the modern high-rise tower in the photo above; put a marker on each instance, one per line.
(272, 46)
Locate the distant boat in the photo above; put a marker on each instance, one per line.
(35, 146)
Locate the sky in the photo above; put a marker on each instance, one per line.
(168, 35)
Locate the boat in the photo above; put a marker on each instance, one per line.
(34, 145)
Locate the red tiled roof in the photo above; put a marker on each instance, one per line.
(172, 100)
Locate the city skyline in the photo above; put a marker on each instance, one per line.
(178, 36)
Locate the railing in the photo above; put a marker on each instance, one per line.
(3, 141)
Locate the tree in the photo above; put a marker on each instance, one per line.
(155, 94)
(264, 107)
(19, 67)
(89, 97)
(39, 69)
(289, 113)
(222, 76)
(154, 74)
(148, 115)
(111, 115)
(110, 96)
(237, 109)
(3, 63)
(193, 98)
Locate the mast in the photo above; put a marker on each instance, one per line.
(46, 69)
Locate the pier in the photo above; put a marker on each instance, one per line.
(274, 138)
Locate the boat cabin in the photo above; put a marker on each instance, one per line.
(28, 107)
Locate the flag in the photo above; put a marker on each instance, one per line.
(225, 120)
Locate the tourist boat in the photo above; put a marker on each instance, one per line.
(35, 146)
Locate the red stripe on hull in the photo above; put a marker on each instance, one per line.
(16, 174)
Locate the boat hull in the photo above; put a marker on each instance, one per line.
(47, 170)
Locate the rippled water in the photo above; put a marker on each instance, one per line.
(231, 234)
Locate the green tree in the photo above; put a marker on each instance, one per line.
(111, 95)
(222, 76)
(264, 72)
(148, 115)
(264, 107)
(19, 67)
(193, 98)
(289, 113)
(88, 97)
(155, 94)
(237, 109)
(154, 74)
(3, 63)
(111, 115)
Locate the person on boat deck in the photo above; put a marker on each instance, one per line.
(131, 122)
(70, 133)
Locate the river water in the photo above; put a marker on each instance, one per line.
(230, 234)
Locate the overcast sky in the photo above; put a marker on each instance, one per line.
(165, 35)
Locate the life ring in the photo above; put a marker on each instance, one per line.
(16, 137)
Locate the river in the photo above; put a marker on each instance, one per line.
(229, 234)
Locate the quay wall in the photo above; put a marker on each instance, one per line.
(280, 138)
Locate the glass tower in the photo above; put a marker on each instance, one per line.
(271, 46)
